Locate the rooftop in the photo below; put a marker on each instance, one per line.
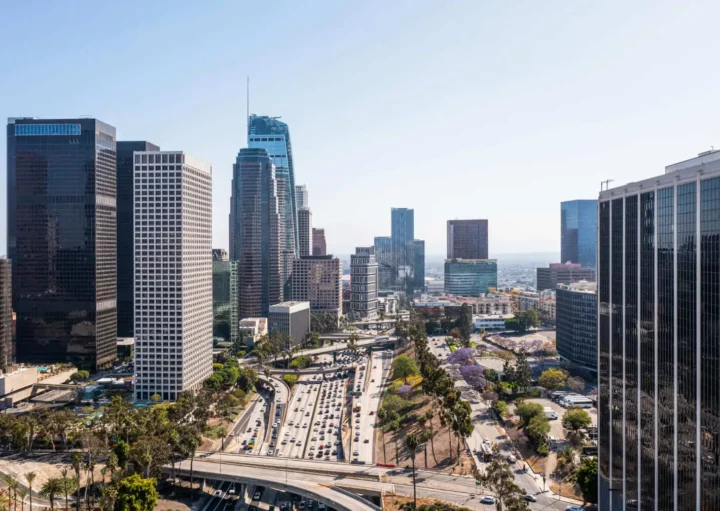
(583, 286)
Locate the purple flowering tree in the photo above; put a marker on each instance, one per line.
(405, 391)
(463, 356)
(474, 376)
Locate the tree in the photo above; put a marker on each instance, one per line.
(553, 379)
(393, 403)
(527, 410)
(79, 376)
(474, 376)
(300, 362)
(214, 381)
(290, 379)
(136, 494)
(566, 461)
(404, 367)
(587, 479)
(412, 442)
(463, 356)
(22, 493)
(76, 462)
(519, 374)
(67, 485)
(30, 478)
(51, 488)
(575, 383)
(501, 408)
(465, 324)
(499, 479)
(122, 453)
(13, 486)
(150, 453)
(523, 321)
(537, 430)
(576, 419)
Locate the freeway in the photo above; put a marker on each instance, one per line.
(378, 368)
(337, 346)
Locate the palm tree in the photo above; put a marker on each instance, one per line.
(76, 461)
(429, 415)
(108, 495)
(13, 486)
(30, 478)
(66, 488)
(412, 442)
(23, 493)
(50, 489)
(424, 439)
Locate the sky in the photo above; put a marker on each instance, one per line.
(462, 109)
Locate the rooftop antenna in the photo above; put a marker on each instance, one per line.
(605, 185)
(248, 108)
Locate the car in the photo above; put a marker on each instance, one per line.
(487, 499)
(511, 459)
(218, 493)
(356, 453)
(258, 493)
(574, 508)
(529, 498)
(367, 441)
(271, 452)
(372, 412)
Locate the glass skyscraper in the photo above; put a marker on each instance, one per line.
(62, 239)
(578, 232)
(470, 277)
(658, 340)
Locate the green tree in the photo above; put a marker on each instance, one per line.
(247, 379)
(576, 419)
(122, 452)
(394, 403)
(79, 376)
(499, 479)
(527, 410)
(404, 367)
(412, 442)
(52, 488)
(214, 381)
(465, 324)
(300, 362)
(290, 379)
(537, 430)
(521, 373)
(587, 479)
(553, 379)
(136, 494)
(68, 486)
(76, 459)
(575, 383)
(150, 453)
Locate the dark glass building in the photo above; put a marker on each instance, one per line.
(578, 232)
(125, 254)
(5, 313)
(659, 340)
(383, 256)
(418, 264)
(576, 319)
(62, 239)
(559, 273)
(467, 239)
(402, 233)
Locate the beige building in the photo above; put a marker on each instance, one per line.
(318, 280)
(251, 329)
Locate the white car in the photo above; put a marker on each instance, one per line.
(487, 499)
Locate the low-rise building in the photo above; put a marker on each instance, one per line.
(251, 329)
(544, 303)
(470, 277)
(491, 321)
(291, 319)
(559, 273)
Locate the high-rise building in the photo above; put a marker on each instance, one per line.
(219, 254)
(318, 280)
(363, 283)
(305, 231)
(273, 135)
(255, 221)
(125, 234)
(383, 255)
(559, 273)
(402, 233)
(470, 277)
(418, 265)
(62, 239)
(173, 273)
(225, 299)
(301, 197)
(5, 313)
(467, 239)
(287, 250)
(319, 247)
(576, 318)
(291, 319)
(658, 363)
(578, 232)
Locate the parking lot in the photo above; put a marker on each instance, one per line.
(556, 428)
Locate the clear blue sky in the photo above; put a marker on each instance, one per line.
(463, 109)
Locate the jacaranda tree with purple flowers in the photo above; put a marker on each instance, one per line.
(405, 391)
(463, 356)
(474, 376)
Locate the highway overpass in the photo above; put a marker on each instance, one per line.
(338, 346)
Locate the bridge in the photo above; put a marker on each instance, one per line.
(338, 346)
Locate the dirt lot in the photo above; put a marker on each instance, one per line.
(392, 502)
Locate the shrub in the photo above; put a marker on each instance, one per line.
(405, 391)
(290, 379)
(501, 408)
(404, 367)
(543, 450)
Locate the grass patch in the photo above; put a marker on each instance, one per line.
(216, 432)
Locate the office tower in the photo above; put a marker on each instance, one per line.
(225, 298)
(467, 239)
(658, 363)
(576, 318)
(274, 136)
(255, 221)
(301, 197)
(287, 250)
(470, 277)
(319, 246)
(219, 254)
(578, 232)
(402, 234)
(173, 273)
(305, 231)
(5, 313)
(418, 264)
(363, 283)
(318, 280)
(125, 234)
(383, 255)
(62, 239)
(559, 273)
(291, 319)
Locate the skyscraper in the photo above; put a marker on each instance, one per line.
(62, 239)
(318, 280)
(319, 247)
(301, 197)
(467, 239)
(658, 317)
(418, 253)
(274, 136)
(256, 226)
(363, 283)
(383, 255)
(305, 231)
(225, 298)
(173, 273)
(5, 313)
(125, 234)
(402, 234)
(578, 232)
(576, 315)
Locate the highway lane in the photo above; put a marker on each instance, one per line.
(291, 433)
(325, 438)
(256, 425)
(378, 368)
(337, 346)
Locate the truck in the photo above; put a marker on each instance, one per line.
(550, 413)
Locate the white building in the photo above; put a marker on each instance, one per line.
(301, 197)
(173, 273)
(491, 321)
(251, 329)
(363, 284)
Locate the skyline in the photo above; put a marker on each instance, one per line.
(558, 106)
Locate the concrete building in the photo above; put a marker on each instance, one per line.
(5, 314)
(173, 273)
(291, 319)
(578, 232)
(319, 247)
(301, 197)
(305, 231)
(251, 329)
(492, 303)
(318, 280)
(577, 323)
(544, 303)
(562, 273)
(62, 239)
(491, 321)
(225, 300)
(470, 277)
(363, 284)
(467, 239)
(256, 232)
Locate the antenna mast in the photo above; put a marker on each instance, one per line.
(247, 119)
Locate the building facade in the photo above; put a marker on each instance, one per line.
(255, 242)
(576, 320)
(291, 319)
(402, 227)
(305, 240)
(562, 273)
(470, 277)
(318, 280)
(658, 362)
(578, 232)
(418, 247)
(383, 256)
(363, 284)
(220, 254)
(301, 197)
(173, 274)
(467, 239)
(319, 247)
(126, 233)
(5, 314)
(61, 182)
(251, 329)
(225, 299)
